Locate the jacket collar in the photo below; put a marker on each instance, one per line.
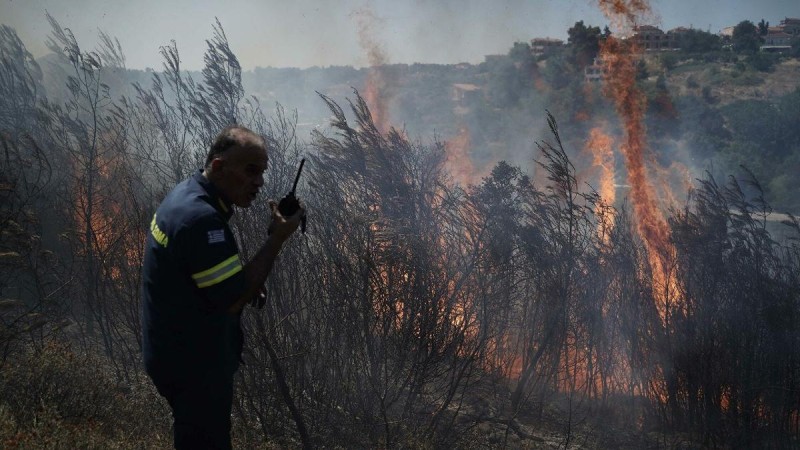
(216, 198)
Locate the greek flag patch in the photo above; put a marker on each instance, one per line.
(216, 236)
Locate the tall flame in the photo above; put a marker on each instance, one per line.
(619, 58)
(600, 145)
(376, 90)
(457, 159)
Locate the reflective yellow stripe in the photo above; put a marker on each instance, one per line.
(218, 273)
(158, 235)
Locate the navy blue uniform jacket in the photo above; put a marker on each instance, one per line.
(191, 276)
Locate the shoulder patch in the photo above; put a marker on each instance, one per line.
(216, 236)
(158, 235)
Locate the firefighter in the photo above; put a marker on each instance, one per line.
(195, 287)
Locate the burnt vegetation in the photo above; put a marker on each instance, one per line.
(414, 312)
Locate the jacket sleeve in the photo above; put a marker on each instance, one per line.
(212, 257)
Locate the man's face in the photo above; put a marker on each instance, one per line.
(241, 173)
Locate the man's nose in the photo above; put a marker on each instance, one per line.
(259, 181)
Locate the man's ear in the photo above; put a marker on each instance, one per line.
(216, 165)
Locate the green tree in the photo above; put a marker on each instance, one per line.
(584, 42)
(524, 62)
(698, 41)
(795, 47)
(746, 38)
(668, 61)
(763, 28)
(558, 72)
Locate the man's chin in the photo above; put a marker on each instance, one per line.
(246, 200)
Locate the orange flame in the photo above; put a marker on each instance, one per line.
(98, 216)
(376, 92)
(599, 145)
(625, 14)
(619, 58)
(457, 159)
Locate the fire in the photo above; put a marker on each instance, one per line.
(625, 14)
(619, 58)
(377, 104)
(457, 159)
(99, 215)
(376, 90)
(600, 145)
(94, 222)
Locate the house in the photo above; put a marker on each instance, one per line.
(791, 26)
(650, 38)
(465, 92)
(594, 73)
(777, 40)
(675, 35)
(545, 46)
(778, 37)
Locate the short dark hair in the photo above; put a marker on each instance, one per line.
(230, 136)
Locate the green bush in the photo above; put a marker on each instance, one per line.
(669, 61)
(761, 62)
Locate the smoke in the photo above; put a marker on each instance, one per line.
(457, 159)
(378, 91)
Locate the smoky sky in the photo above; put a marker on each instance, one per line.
(308, 33)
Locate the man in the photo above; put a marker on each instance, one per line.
(195, 286)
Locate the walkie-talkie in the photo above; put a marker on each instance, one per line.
(289, 204)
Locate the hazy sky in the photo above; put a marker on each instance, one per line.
(305, 33)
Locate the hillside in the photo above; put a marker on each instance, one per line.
(728, 85)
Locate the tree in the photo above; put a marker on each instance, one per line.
(763, 28)
(510, 80)
(746, 38)
(668, 61)
(698, 41)
(20, 85)
(795, 47)
(585, 43)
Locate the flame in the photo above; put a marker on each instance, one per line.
(99, 223)
(539, 82)
(457, 159)
(600, 145)
(625, 14)
(376, 90)
(99, 218)
(619, 59)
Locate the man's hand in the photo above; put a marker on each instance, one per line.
(280, 228)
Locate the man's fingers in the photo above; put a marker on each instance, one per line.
(301, 210)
